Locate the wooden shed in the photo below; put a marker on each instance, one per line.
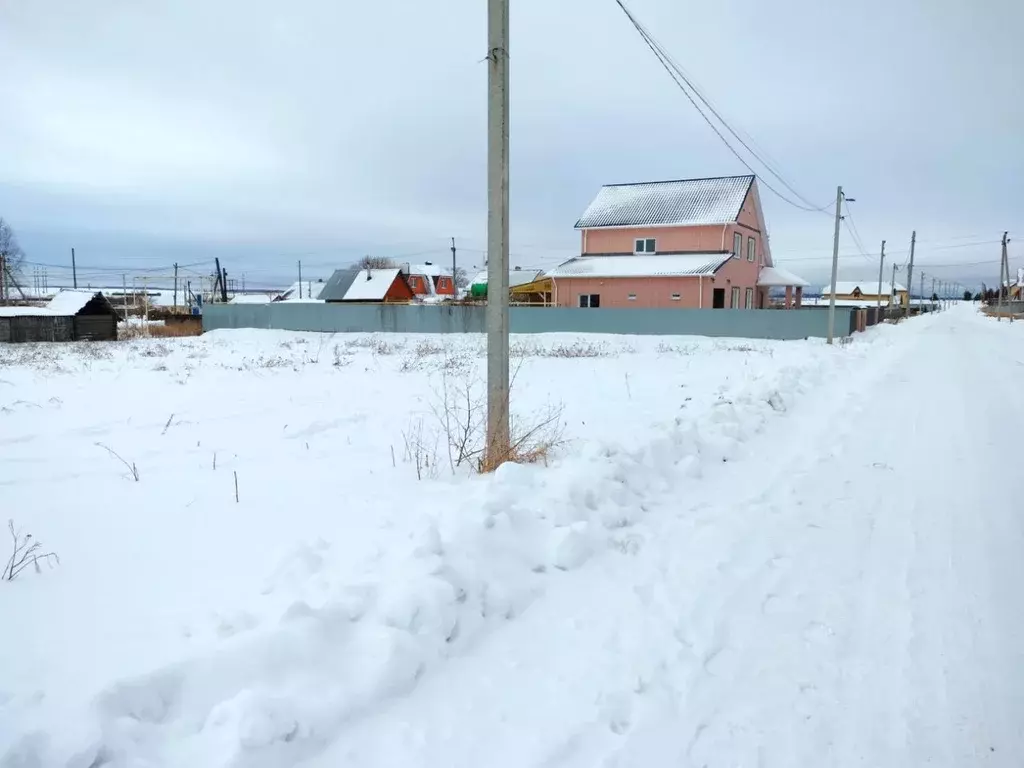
(70, 316)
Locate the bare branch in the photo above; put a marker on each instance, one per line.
(25, 552)
(131, 467)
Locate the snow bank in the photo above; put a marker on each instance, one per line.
(183, 628)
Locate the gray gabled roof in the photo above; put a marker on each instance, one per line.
(337, 285)
(685, 202)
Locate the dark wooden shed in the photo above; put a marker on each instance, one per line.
(70, 316)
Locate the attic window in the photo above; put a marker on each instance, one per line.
(644, 245)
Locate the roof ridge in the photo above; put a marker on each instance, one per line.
(646, 255)
(676, 181)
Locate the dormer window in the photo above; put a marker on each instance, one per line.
(644, 245)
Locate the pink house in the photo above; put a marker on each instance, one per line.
(695, 243)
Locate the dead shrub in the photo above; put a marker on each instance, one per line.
(427, 347)
(576, 349)
(176, 330)
(265, 361)
(376, 345)
(461, 411)
(155, 350)
(673, 349)
(421, 450)
(341, 358)
(131, 467)
(25, 552)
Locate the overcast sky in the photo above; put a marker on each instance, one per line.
(264, 132)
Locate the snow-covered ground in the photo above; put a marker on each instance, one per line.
(739, 553)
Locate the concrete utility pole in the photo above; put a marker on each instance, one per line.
(175, 285)
(455, 282)
(74, 270)
(881, 265)
(300, 278)
(921, 292)
(893, 296)
(124, 296)
(910, 271)
(498, 441)
(1006, 266)
(999, 286)
(835, 266)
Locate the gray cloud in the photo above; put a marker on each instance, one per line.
(264, 132)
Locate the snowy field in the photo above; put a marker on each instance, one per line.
(670, 585)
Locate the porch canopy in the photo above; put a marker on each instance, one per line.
(773, 277)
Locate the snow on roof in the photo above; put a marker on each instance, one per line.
(677, 265)
(686, 202)
(774, 277)
(430, 270)
(824, 302)
(867, 287)
(69, 302)
(515, 277)
(371, 285)
(24, 311)
(251, 298)
(307, 289)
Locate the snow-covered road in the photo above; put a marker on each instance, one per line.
(853, 598)
(749, 554)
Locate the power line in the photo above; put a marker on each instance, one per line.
(684, 84)
(851, 227)
(782, 257)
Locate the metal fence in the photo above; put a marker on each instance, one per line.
(405, 318)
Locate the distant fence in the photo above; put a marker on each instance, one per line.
(1008, 307)
(405, 318)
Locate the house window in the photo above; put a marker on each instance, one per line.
(644, 245)
(631, 297)
(737, 245)
(749, 299)
(676, 297)
(751, 250)
(735, 303)
(590, 300)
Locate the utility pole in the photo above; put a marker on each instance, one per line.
(999, 285)
(1005, 266)
(835, 267)
(921, 292)
(893, 295)
(175, 284)
(498, 440)
(124, 296)
(455, 283)
(881, 265)
(910, 271)
(300, 278)
(74, 270)
(933, 287)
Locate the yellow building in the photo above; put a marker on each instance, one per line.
(866, 292)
